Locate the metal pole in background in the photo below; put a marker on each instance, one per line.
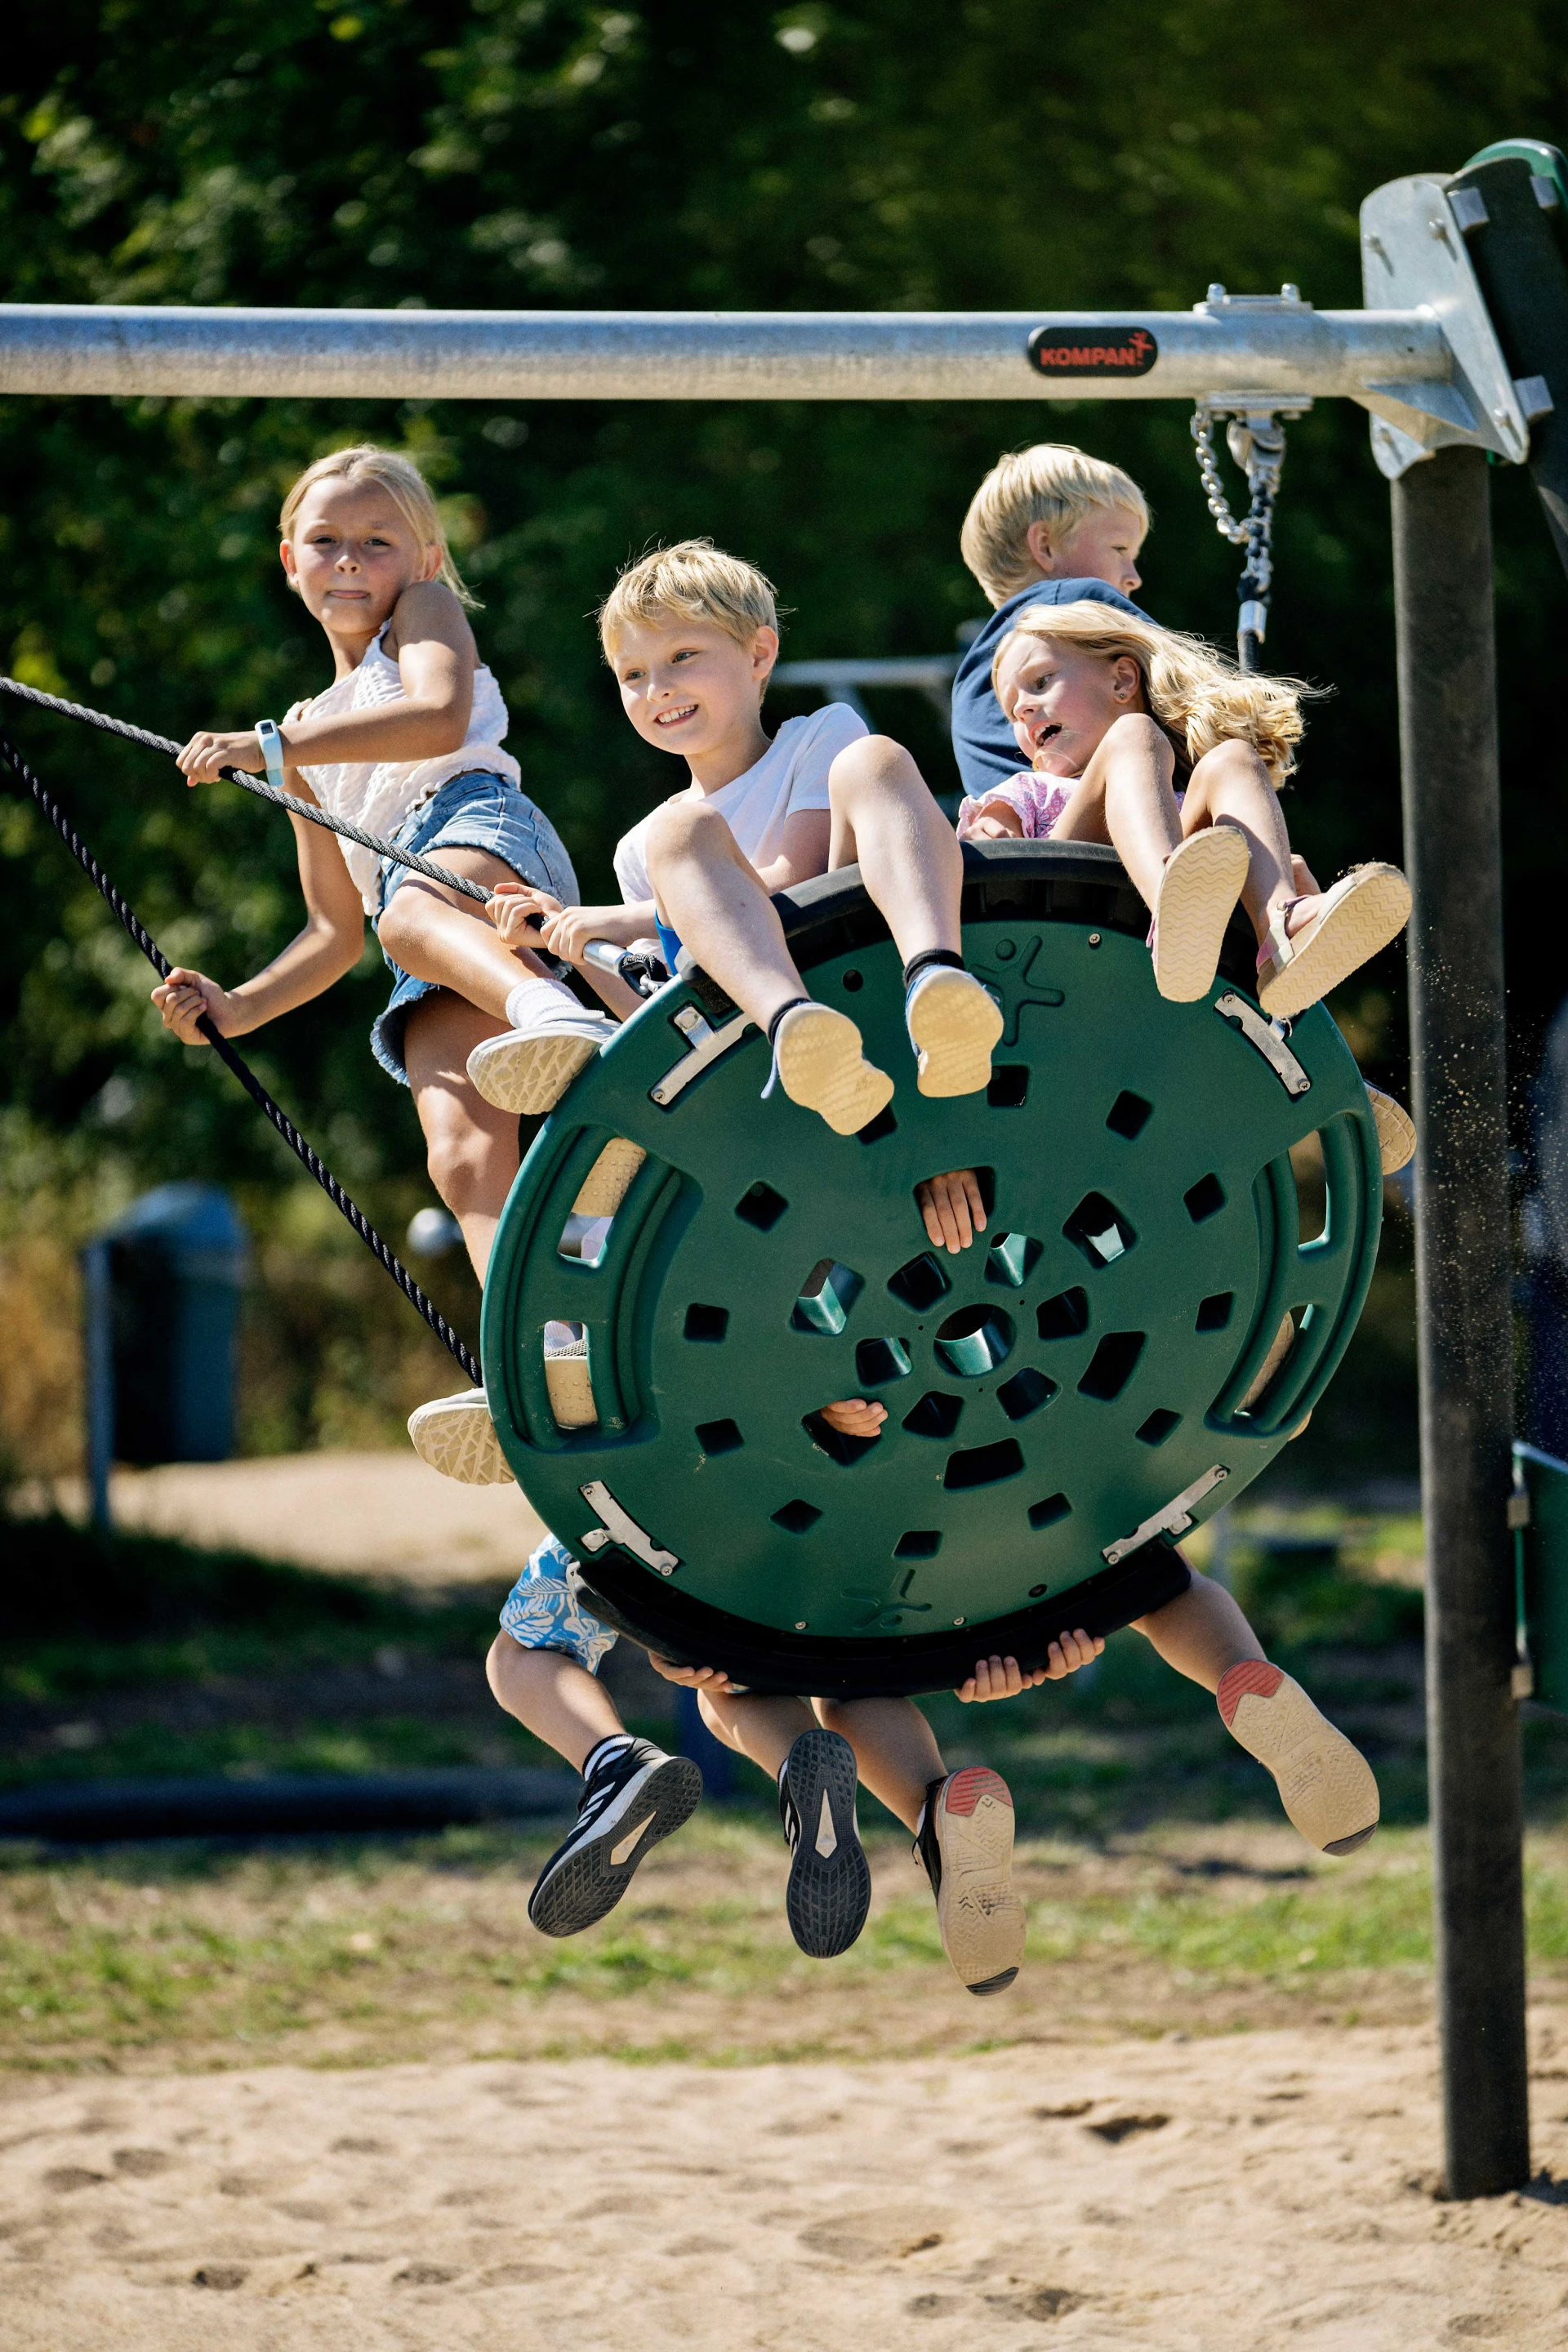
(1448, 755)
(98, 1333)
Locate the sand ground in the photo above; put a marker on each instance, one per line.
(1212, 2196)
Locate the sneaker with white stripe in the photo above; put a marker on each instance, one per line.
(633, 1796)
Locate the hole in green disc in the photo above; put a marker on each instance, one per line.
(879, 1361)
(836, 1443)
(920, 1543)
(1045, 1514)
(826, 1294)
(1025, 1393)
(1214, 1313)
(1158, 1427)
(796, 1517)
(1011, 1259)
(1128, 1115)
(1205, 1199)
(982, 1465)
(1111, 1365)
(718, 1438)
(919, 1283)
(709, 1323)
(762, 1207)
(974, 1340)
(876, 1128)
(935, 1415)
(1009, 1086)
(1098, 1227)
(1065, 1316)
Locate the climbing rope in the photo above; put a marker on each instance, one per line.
(1256, 439)
(247, 1078)
(263, 791)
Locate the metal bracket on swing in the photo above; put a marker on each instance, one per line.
(1265, 1039)
(707, 1044)
(622, 1528)
(1173, 1521)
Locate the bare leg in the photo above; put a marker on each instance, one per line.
(896, 1752)
(1125, 797)
(471, 1146)
(884, 816)
(437, 936)
(552, 1696)
(708, 891)
(1231, 782)
(1202, 1633)
(762, 1729)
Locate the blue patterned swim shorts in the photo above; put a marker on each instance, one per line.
(545, 1609)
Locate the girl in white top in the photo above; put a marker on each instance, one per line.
(405, 742)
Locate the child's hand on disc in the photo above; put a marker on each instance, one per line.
(207, 755)
(712, 1678)
(953, 1208)
(856, 1417)
(1005, 1678)
(568, 932)
(184, 996)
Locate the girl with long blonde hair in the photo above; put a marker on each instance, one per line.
(406, 743)
(1150, 740)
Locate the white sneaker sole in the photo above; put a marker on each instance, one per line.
(1395, 1132)
(528, 1074)
(979, 1912)
(822, 1067)
(1195, 901)
(953, 1025)
(456, 1435)
(1326, 1784)
(1373, 910)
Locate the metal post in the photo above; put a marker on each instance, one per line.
(1448, 754)
(98, 1350)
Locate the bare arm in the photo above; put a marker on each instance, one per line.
(328, 946)
(437, 657)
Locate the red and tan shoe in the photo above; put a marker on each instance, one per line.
(965, 1842)
(1326, 1785)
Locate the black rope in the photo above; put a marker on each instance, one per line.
(242, 1070)
(264, 792)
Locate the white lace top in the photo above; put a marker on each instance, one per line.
(381, 796)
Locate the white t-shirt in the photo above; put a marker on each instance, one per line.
(790, 778)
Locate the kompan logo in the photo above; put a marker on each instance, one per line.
(1104, 351)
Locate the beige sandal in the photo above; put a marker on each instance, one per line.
(456, 1435)
(1395, 1132)
(1365, 909)
(818, 1060)
(954, 1021)
(1198, 891)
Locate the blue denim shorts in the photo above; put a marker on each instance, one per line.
(475, 810)
(545, 1609)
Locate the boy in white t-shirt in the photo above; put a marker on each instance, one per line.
(692, 636)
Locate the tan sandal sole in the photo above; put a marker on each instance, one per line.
(1195, 901)
(571, 1392)
(1338, 943)
(456, 1435)
(1326, 1785)
(609, 1180)
(979, 1911)
(821, 1067)
(1395, 1132)
(953, 1025)
(528, 1074)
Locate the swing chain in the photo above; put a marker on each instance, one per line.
(1255, 437)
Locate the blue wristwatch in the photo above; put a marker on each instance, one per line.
(271, 742)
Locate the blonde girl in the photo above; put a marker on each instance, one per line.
(406, 743)
(1148, 739)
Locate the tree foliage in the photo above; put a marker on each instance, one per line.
(884, 153)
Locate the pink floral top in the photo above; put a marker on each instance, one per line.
(1038, 800)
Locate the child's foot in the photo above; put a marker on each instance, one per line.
(953, 1023)
(633, 1795)
(1395, 1132)
(456, 1435)
(1195, 901)
(609, 1180)
(529, 1070)
(566, 1381)
(829, 1889)
(1326, 1785)
(966, 1842)
(1315, 943)
(819, 1063)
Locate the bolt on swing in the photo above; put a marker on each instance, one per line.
(1254, 436)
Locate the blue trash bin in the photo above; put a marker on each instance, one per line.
(163, 1287)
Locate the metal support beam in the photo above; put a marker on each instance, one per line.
(1226, 345)
(1449, 753)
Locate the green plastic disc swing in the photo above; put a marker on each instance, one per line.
(1104, 1367)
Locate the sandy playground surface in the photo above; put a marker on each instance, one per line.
(1202, 2197)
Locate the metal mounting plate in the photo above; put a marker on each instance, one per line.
(1414, 258)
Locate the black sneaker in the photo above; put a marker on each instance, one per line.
(965, 1842)
(634, 1797)
(829, 1890)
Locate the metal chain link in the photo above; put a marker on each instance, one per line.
(1256, 439)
